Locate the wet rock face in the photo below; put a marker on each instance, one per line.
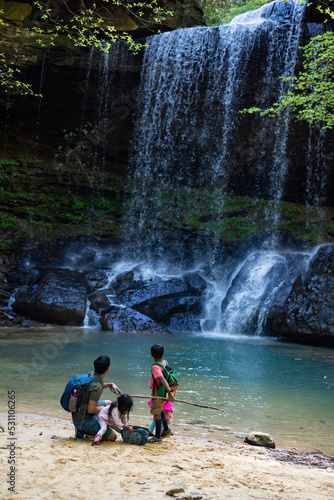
(128, 320)
(184, 322)
(138, 298)
(67, 77)
(308, 313)
(176, 303)
(285, 275)
(129, 304)
(59, 297)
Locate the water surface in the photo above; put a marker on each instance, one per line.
(265, 385)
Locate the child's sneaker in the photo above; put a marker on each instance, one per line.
(166, 433)
(154, 439)
(97, 440)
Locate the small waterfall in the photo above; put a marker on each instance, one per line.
(40, 100)
(280, 165)
(87, 78)
(259, 287)
(94, 135)
(316, 161)
(90, 148)
(189, 134)
(316, 168)
(103, 109)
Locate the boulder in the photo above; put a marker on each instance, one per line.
(128, 320)
(162, 309)
(260, 439)
(196, 283)
(308, 314)
(126, 281)
(59, 297)
(125, 276)
(174, 287)
(161, 301)
(15, 11)
(184, 323)
(96, 280)
(101, 299)
(4, 296)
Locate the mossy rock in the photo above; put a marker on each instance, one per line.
(15, 11)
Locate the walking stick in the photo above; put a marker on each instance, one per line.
(179, 401)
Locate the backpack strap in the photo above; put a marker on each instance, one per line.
(83, 385)
(157, 363)
(154, 380)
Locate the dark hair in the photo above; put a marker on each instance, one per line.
(101, 364)
(124, 404)
(157, 350)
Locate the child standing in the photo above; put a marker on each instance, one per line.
(157, 380)
(115, 416)
(168, 411)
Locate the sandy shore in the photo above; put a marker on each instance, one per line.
(50, 463)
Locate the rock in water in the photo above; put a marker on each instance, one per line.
(260, 439)
(128, 320)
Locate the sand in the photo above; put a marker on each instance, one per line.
(48, 463)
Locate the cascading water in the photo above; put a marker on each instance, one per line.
(40, 100)
(189, 133)
(258, 288)
(191, 140)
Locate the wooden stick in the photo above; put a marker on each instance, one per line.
(179, 401)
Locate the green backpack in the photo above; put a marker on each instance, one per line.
(140, 435)
(170, 376)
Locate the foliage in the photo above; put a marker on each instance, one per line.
(218, 12)
(200, 211)
(312, 91)
(10, 76)
(10, 80)
(50, 210)
(311, 96)
(92, 26)
(78, 155)
(89, 26)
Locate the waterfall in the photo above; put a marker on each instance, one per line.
(317, 162)
(96, 122)
(189, 133)
(40, 100)
(191, 146)
(259, 287)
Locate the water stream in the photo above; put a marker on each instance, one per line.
(41, 83)
(189, 132)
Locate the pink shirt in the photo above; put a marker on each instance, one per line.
(157, 373)
(167, 405)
